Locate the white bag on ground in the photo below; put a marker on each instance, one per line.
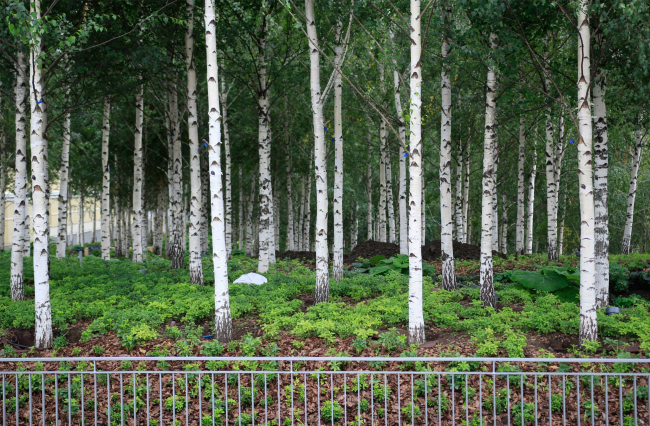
(251, 278)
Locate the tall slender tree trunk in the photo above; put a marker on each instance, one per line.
(389, 199)
(3, 182)
(423, 219)
(106, 183)
(487, 273)
(551, 184)
(588, 320)
(170, 172)
(466, 218)
(320, 163)
(458, 202)
(337, 202)
(290, 233)
(40, 193)
(531, 199)
(137, 177)
(301, 210)
(369, 186)
(82, 213)
(416, 315)
(307, 221)
(205, 205)
(504, 224)
(226, 148)
(560, 236)
(158, 223)
(196, 195)
(222, 319)
(631, 194)
(446, 218)
(265, 238)
(249, 221)
(495, 198)
(63, 189)
(176, 197)
(601, 218)
(519, 242)
(383, 136)
(276, 218)
(20, 181)
(403, 221)
(240, 218)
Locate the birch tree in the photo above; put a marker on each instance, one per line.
(446, 217)
(290, 233)
(320, 164)
(601, 218)
(403, 221)
(631, 195)
(531, 199)
(487, 273)
(337, 263)
(20, 180)
(519, 231)
(106, 183)
(369, 186)
(222, 319)
(196, 199)
(137, 176)
(551, 184)
(416, 314)
(588, 321)
(40, 191)
(226, 148)
(176, 242)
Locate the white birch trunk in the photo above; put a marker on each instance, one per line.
(20, 182)
(320, 163)
(631, 195)
(551, 184)
(265, 236)
(27, 234)
(40, 191)
(403, 221)
(382, 183)
(416, 315)
(369, 186)
(337, 202)
(531, 199)
(226, 148)
(389, 199)
(519, 242)
(137, 177)
(504, 224)
(82, 228)
(158, 224)
(560, 236)
(290, 233)
(249, 221)
(466, 218)
(495, 198)
(301, 211)
(601, 219)
(196, 196)
(423, 205)
(63, 189)
(487, 210)
(240, 213)
(205, 205)
(588, 320)
(222, 320)
(276, 218)
(458, 202)
(176, 197)
(306, 238)
(106, 183)
(446, 200)
(355, 228)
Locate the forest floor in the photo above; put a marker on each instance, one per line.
(123, 309)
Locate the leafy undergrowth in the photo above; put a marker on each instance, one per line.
(144, 308)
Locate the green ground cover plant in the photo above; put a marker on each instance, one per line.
(138, 308)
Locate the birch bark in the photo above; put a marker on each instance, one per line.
(301, 212)
(20, 181)
(389, 199)
(588, 320)
(118, 227)
(601, 219)
(290, 234)
(382, 166)
(158, 224)
(137, 177)
(458, 202)
(519, 242)
(487, 273)
(222, 320)
(466, 218)
(205, 205)
(631, 195)
(226, 148)
(504, 224)
(196, 195)
(81, 213)
(369, 185)
(266, 243)
(551, 184)
(176, 197)
(337, 202)
(446, 218)
(106, 183)
(249, 222)
(240, 213)
(307, 231)
(403, 221)
(320, 164)
(416, 315)
(40, 191)
(63, 189)
(495, 198)
(531, 199)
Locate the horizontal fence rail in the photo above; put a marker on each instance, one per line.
(324, 391)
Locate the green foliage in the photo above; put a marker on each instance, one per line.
(213, 348)
(618, 278)
(331, 411)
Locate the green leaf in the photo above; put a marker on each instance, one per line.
(549, 281)
(378, 270)
(375, 260)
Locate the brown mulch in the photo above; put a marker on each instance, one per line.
(369, 249)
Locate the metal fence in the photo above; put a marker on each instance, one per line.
(324, 391)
